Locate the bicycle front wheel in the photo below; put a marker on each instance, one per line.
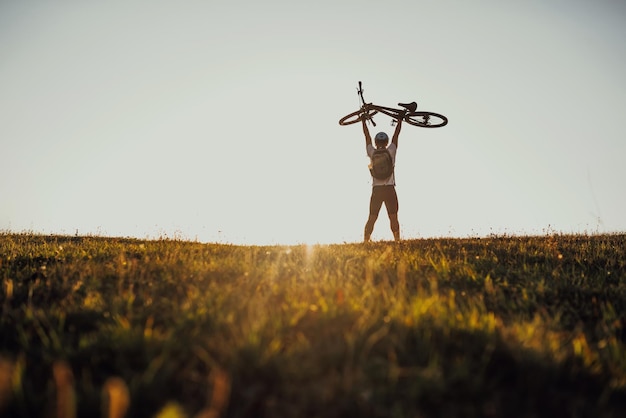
(355, 117)
(426, 119)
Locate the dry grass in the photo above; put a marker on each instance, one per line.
(499, 326)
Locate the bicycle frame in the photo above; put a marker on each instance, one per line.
(395, 114)
(408, 113)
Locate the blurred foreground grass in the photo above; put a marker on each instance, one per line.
(500, 326)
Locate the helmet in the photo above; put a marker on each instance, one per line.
(381, 137)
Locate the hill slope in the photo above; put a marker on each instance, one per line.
(499, 326)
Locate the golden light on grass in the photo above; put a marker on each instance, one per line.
(115, 398)
(6, 380)
(171, 410)
(219, 395)
(65, 393)
(405, 322)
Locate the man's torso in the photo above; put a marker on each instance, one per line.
(390, 181)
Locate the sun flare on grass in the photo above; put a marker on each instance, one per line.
(213, 326)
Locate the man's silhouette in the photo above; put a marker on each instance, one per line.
(383, 190)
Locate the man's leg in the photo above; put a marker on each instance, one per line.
(395, 226)
(375, 203)
(391, 203)
(369, 227)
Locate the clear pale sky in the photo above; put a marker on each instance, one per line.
(217, 121)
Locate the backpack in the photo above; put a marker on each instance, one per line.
(381, 165)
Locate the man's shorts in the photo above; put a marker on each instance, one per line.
(386, 195)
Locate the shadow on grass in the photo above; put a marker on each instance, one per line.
(402, 371)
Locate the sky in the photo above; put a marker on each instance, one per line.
(217, 121)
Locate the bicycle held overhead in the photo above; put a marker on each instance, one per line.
(408, 113)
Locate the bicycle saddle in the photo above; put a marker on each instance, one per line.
(409, 106)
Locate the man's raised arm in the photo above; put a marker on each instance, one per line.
(366, 131)
(396, 133)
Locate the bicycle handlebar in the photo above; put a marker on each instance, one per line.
(364, 106)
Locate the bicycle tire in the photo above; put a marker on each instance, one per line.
(346, 120)
(426, 119)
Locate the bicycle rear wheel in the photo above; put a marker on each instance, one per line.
(355, 117)
(426, 119)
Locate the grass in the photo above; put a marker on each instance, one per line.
(504, 326)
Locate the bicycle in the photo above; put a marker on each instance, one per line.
(409, 114)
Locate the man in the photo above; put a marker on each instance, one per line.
(383, 190)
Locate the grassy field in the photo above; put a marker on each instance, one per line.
(503, 326)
